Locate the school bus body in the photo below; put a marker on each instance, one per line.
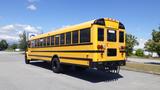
(91, 54)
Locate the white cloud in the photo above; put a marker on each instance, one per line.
(7, 28)
(141, 41)
(32, 7)
(19, 27)
(28, 28)
(8, 37)
(11, 32)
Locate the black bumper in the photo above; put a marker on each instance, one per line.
(108, 64)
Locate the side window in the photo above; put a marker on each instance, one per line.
(68, 38)
(52, 40)
(29, 44)
(75, 37)
(121, 36)
(85, 35)
(41, 42)
(62, 39)
(33, 43)
(48, 41)
(44, 42)
(57, 40)
(100, 34)
(36, 43)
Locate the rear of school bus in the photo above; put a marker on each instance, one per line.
(109, 38)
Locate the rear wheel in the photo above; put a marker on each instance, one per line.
(26, 60)
(118, 69)
(56, 66)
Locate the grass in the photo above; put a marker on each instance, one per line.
(140, 67)
(145, 57)
(9, 50)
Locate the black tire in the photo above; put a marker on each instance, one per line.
(56, 66)
(118, 69)
(115, 69)
(26, 60)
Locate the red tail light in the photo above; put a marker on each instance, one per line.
(122, 48)
(99, 46)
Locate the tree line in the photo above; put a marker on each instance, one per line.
(22, 44)
(152, 45)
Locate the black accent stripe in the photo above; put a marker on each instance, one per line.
(86, 59)
(75, 58)
(81, 51)
(41, 56)
(82, 65)
(75, 44)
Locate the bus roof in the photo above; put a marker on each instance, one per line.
(71, 28)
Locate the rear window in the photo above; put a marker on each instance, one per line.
(121, 36)
(111, 35)
(100, 34)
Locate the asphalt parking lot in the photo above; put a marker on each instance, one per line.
(16, 75)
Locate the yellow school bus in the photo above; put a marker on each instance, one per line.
(97, 44)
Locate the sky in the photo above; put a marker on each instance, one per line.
(140, 17)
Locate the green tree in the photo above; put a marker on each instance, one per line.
(150, 45)
(153, 45)
(3, 44)
(14, 46)
(23, 41)
(139, 52)
(131, 41)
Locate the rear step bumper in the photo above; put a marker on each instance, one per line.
(108, 64)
